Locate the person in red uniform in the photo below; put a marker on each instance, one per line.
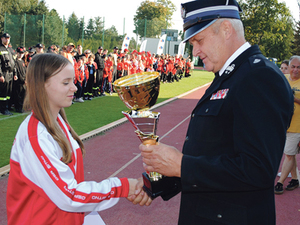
(133, 66)
(159, 67)
(46, 181)
(81, 72)
(107, 75)
(169, 70)
(140, 67)
(149, 60)
(125, 65)
(188, 67)
(120, 68)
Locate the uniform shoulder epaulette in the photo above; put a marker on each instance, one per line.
(257, 61)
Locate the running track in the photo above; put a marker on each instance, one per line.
(116, 153)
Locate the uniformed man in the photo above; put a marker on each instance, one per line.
(99, 60)
(19, 87)
(236, 136)
(7, 69)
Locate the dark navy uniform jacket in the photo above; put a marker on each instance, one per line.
(234, 145)
(7, 62)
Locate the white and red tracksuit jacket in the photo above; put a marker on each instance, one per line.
(44, 190)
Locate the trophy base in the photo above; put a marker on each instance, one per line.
(164, 187)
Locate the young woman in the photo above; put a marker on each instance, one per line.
(284, 67)
(46, 181)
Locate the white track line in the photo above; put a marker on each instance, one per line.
(137, 156)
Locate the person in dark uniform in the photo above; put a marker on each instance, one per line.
(99, 60)
(7, 69)
(237, 131)
(91, 80)
(31, 52)
(19, 87)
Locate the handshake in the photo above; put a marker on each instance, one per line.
(163, 159)
(136, 193)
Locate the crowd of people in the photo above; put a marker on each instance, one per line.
(94, 73)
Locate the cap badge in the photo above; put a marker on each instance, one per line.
(183, 13)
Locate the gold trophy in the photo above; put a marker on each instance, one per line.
(139, 92)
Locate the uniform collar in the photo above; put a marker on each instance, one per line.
(226, 66)
(4, 45)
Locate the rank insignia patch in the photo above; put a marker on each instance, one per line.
(221, 94)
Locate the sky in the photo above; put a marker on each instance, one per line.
(114, 12)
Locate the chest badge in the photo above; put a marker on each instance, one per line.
(221, 94)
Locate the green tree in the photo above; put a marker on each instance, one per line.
(296, 42)
(81, 29)
(37, 8)
(153, 16)
(14, 26)
(98, 27)
(34, 22)
(89, 31)
(112, 38)
(170, 9)
(73, 26)
(53, 29)
(270, 25)
(98, 32)
(15, 10)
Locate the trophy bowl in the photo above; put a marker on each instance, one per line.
(138, 91)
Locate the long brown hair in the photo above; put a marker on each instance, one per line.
(40, 69)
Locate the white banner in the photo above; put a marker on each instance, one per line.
(143, 45)
(161, 44)
(181, 49)
(125, 44)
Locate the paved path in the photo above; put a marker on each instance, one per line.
(116, 153)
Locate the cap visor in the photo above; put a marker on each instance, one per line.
(196, 29)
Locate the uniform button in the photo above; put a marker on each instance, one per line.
(193, 115)
(194, 186)
(206, 110)
(186, 138)
(219, 216)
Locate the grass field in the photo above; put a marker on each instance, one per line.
(90, 115)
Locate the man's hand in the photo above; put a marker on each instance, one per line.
(2, 79)
(162, 158)
(136, 193)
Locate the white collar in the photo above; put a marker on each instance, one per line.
(241, 49)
